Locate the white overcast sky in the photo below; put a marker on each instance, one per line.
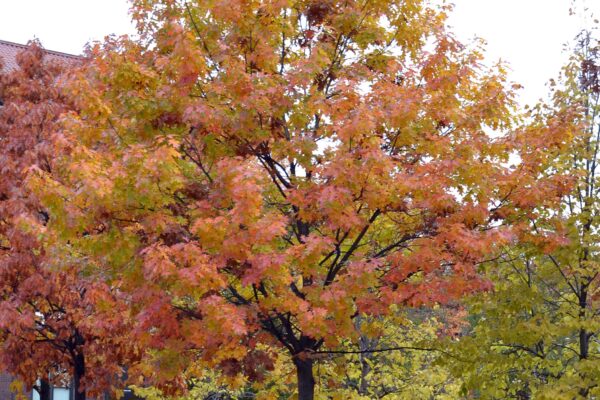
(529, 34)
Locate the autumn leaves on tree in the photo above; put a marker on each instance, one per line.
(541, 321)
(259, 185)
(56, 323)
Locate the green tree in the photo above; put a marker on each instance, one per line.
(536, 334)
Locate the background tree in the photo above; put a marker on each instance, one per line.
(55, 323)
(536, 334)
(267, 172)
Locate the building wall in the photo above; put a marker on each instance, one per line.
(7, 394)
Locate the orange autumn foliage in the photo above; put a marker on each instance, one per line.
(260, 173)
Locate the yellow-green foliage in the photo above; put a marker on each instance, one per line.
(535, 335)
(409, 371)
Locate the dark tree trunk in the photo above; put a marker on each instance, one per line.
(44, 389)
(78, 373)
(584, 344)
(306, 379)
(584, 335)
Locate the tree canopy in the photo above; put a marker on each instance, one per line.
(252, 190)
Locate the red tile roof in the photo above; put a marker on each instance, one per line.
(9, 51)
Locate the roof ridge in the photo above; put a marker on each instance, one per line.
(54, 52)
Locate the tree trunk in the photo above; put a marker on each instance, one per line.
(78, 373)
(306, 379)
(584, 336)
(365, 368)
(44, 390)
